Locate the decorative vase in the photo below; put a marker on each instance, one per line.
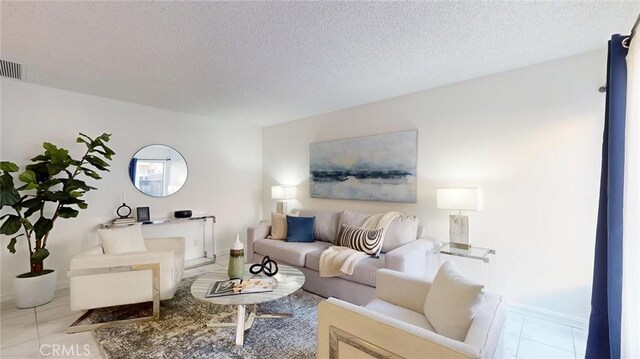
(236, 260)
(34, 291)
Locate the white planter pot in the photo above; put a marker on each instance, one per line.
(35, 291)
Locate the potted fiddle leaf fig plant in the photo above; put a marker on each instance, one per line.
(52, 188)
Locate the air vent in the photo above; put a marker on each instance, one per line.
(11, 69)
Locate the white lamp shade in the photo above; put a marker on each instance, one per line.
(283, 192)
(460, 199)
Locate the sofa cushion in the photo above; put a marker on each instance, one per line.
(365, 272)
(121, 240)
(278, 226)
(326, 227)
(361, 239)
(353, 219)
(452, 302)
(400, 313)
(400, 232)
(293, 253)
(300, 229)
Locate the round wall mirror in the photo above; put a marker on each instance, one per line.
(158, 170)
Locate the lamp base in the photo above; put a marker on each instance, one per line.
(281, 207)
(459, 231)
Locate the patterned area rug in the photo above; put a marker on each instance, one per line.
(181, 331)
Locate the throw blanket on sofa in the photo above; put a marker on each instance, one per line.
(337, 260)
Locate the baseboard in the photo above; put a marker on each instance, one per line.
(550, 315)
(9, 297)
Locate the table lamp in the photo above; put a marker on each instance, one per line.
(282, 194)
(459, 199)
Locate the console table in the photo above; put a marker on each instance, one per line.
(208, 257)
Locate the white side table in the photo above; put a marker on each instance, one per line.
(474, 262)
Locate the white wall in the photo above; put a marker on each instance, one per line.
(223, 158)
(530, 137)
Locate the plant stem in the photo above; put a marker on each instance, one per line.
(26, 231)
(73, 176)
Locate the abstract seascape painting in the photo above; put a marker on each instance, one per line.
(372, 168)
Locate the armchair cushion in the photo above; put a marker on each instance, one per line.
(452, 302)
(122, 240)
(400, 313)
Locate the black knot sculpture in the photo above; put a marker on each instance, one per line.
(268, 266)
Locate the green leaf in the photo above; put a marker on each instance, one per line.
(40, 158)
(33, 203)
(28, 186)
(39, 255)
(6, 181)
(29, 212)
(12, 243)
(52, 182)
(66, 212)
(76, 194)
(11, 225)
(9, 197)
(41, 169)
(77, 184)
(8, 166)
(92, 174)
(42, 227)
(57, 155)
(97, 162)
(56, 196)
(82, 140)
(27, 176)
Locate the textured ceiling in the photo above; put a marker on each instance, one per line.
(271, 62)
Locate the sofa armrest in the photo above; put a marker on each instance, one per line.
(107, 261)
(387, 333)
(417, 257)
(402, 289)
(253, 234)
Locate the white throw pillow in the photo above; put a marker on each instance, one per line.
(452, 302)
(122, 240)
(278, 226)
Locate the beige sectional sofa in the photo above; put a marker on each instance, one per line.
(402, 251)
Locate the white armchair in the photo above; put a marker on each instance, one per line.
(393, 324)
(102, 280)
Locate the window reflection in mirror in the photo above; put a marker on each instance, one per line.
(158, 170)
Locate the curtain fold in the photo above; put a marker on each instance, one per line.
(133, 164)
(606, 298)
(630, 341)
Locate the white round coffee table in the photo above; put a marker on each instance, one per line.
(287, 281)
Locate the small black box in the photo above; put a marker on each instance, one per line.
(185, 213)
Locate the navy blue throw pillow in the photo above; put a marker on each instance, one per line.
(300, 229)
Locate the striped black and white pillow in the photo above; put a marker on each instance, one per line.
(364, 240)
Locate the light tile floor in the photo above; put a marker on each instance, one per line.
(36, 332)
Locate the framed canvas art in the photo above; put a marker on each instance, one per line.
(371, 168)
